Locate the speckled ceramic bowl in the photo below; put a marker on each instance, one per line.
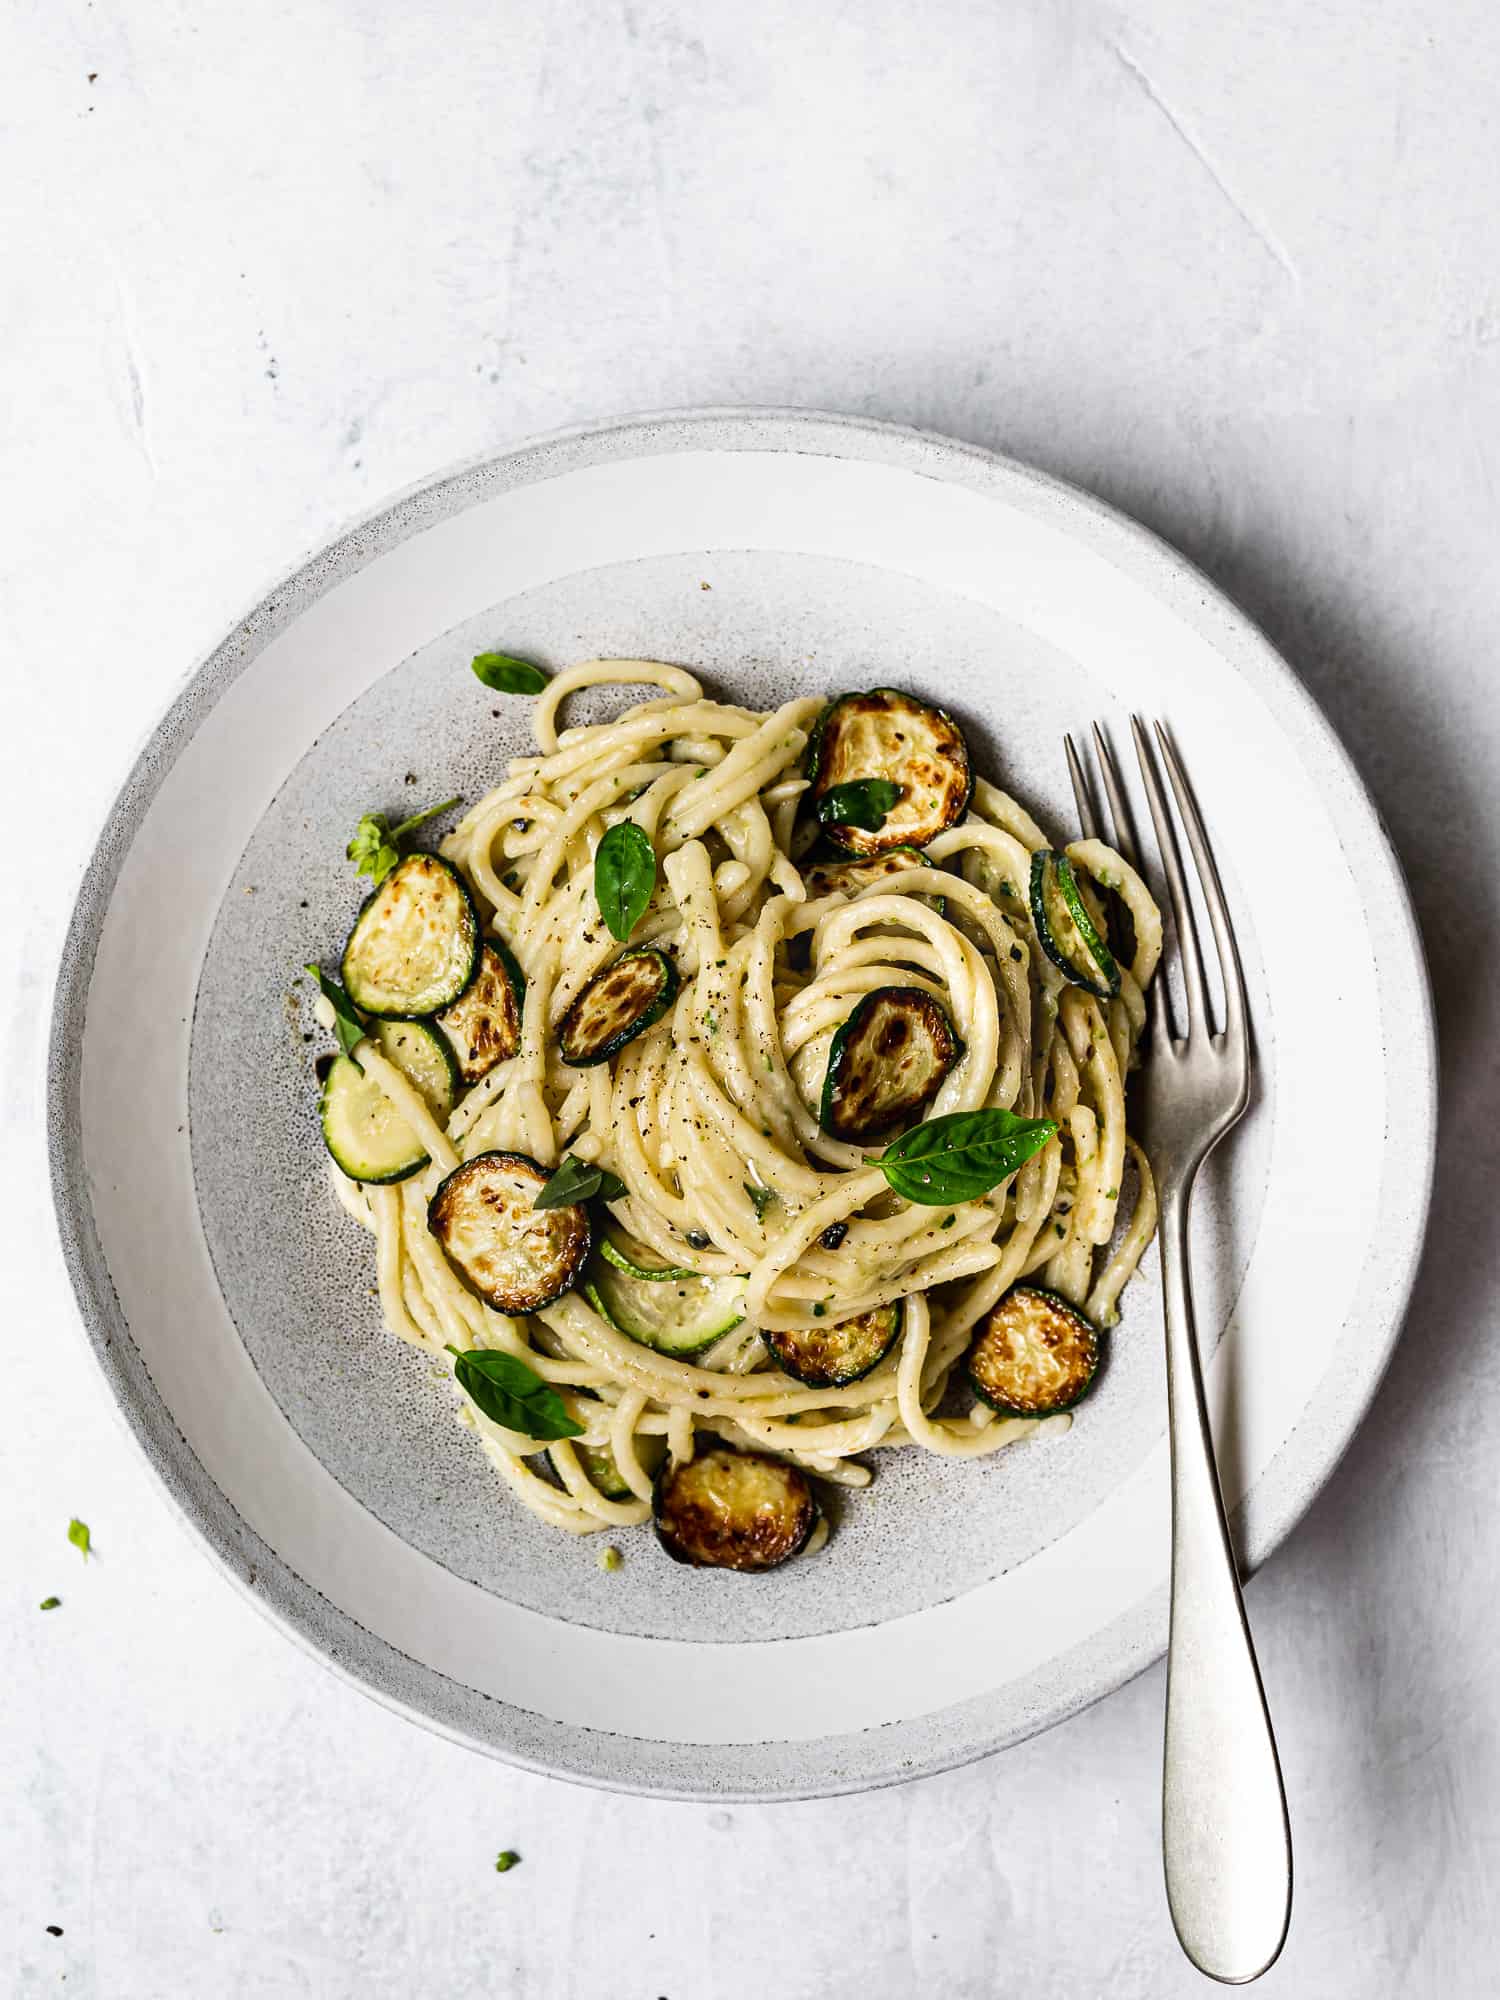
(957, 1607)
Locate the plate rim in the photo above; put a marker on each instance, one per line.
(1132, 1642)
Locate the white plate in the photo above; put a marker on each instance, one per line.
(958, 1607)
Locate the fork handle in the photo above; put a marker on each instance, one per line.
(1226, 1841)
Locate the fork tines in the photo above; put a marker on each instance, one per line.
(1199, 1022)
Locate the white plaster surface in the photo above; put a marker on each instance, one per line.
(1234, 269)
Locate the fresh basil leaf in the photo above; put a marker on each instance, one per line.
(508, 675)
(578, 1180)
(511, 1394)
(78, 1535)
(624, 876)
(51, 1604)
(505, 1861)
(760, 1197)
(961, 1157)
(863, 802)
(347, 1025)
(373, 849)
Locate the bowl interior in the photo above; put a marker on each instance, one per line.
(759, 630)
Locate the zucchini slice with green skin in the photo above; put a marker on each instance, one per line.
(828, 1357)
(1035, 1354)
(423, 1058)
(679, 1317)
(367, 1136)
(852, 878)
(619, 1003)
(415, 945)
(483, 1026)
(598, 1461)
(510, 1253)
(891, 735)
(613, 1252)
(733, 1510)
(886, 1064)
(1064, 928)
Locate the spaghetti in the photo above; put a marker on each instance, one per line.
(713, 1117)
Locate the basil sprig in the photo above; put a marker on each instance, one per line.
(373, 849)
(961, 1157)
(624, 876)
(508, 675)
(863, 802)
(347, 1025)
(578, 1180)
(511, 1394)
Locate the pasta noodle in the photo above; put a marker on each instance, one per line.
(711, 1118)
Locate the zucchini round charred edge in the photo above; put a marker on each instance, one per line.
(367, 1136)
(513, 1255)
(888, 734)
(619, 1003)
(1064, 928)
(415, 946)
(681, 1317)
(886, 1063)
(1035, 1354)
(829, 1357)
(733, 1510)
(846, 877)
(483, 1026)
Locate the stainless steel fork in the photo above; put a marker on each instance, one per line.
(1226, 1841)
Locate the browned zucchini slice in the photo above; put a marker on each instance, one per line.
(826, 1357)
(891, 735)
(851, 878)
(733, 1510)
(415, 945)
(618, 1004)
(1035, 1354)
(510, 1253)
(484, 1026)
(886, 1063)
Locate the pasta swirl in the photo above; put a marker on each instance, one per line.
(714, 1117)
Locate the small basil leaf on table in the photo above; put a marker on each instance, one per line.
(508, 675)
(578, 1180)
(863, 802)
(963, 1156)
(78, 1535)
(347, 1025)
(624, 876)
(511, 1394)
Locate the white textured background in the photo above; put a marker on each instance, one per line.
(1236, 269)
